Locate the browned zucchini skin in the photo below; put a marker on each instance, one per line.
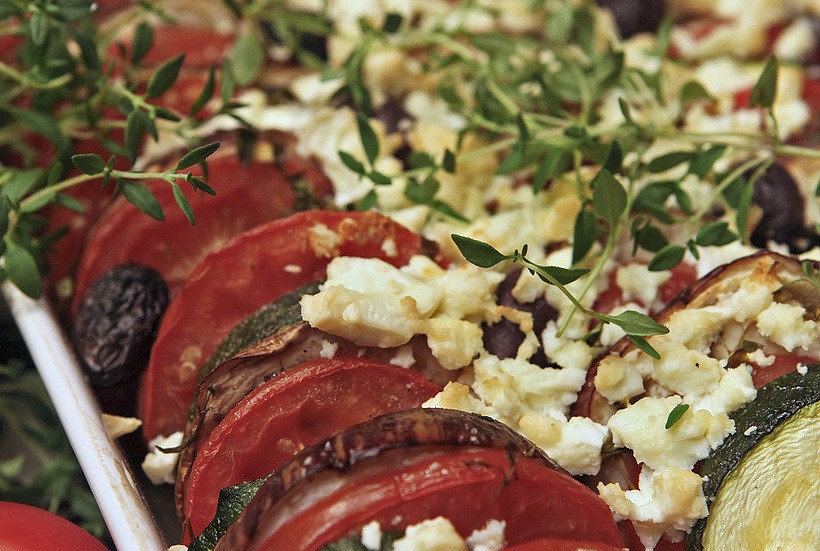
(404, 429)
(775, 403)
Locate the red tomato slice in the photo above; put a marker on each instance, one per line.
(469, 486)
(290, 412)
(682, 276)
(255, 268)
(783, 363)
(552, 544)
(27, 528)
(247, 195)
(202, 47)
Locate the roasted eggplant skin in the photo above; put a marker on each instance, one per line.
(392, 431)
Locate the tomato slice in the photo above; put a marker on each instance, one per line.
(247, 195)
(783, 363)
(552, 544)
(681, 277)
(27, 528)
(467, 485)
(290, 412)
(255, 268)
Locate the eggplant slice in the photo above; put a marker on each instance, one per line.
(341, 452)
(229, 382)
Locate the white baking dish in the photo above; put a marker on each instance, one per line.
(126, 512)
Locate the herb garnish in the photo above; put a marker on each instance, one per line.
(63, 86)
(675, 415)
(535, 101)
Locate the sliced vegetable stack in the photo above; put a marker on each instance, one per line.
(487, 275)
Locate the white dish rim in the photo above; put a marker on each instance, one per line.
(129, 521)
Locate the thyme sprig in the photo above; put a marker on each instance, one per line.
(535, 102)
(59, 84)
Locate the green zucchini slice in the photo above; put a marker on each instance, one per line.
(763, 483)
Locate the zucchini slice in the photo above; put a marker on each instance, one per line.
(762, 484)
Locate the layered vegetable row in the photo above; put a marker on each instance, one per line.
(492, 278)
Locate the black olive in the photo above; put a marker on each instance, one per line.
(117, 323)
(635, 16)
(392, 113)
(504, 337)
(783, 220)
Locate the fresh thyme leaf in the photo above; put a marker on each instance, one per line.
(420, 159)
(584, 235)
(69, 202)
(368, 201)
(667, 258)
(765, 89)
(39, 27)
(197, 155)
(135, 127)
(564, 276)
(650, 238)
(19, 183)
(370, 141)
(694, 91)
(614, 158)
(227, 82)
(164, 77)
(449, 161)
(352, 163)
(675, 415)
(668, 161)
(143, 40)
(511, 162)
(551, 166)
(21, 269)
(743, 207)
(206, 94)
(378, 178)
(88, 163)
(139, 196)
(644, 345)
(635, 323)
(608, 196)
(703, 162)
(477, 252)
(183, 203)
(715, 234)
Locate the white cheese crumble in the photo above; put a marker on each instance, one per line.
(639, 283)
(641, 428)
(669, 500)
(328, 349)
(750, 431)
(160, 467)
(785, 325)
(372, 536)
(116, 425)
(372, 303)
(437, 534)
(488, 538)
(293, 268)
(802, 369)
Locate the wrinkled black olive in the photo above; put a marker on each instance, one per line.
(783, 221)
(391, 113)
(635, 16)
(504, 338)
(117, 322)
